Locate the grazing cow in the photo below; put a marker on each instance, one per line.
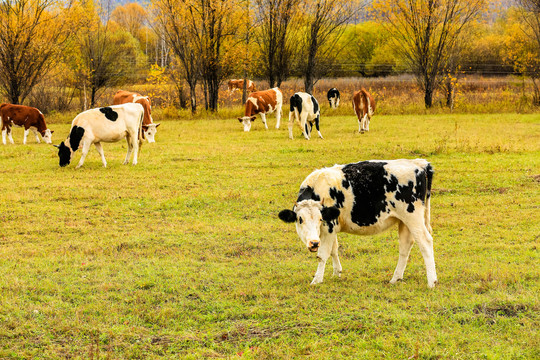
(304, 110)
(149, 128)
(364, 107)
(29, 117)
(262, 102)
(106, 124)
(333, 98)
(235, 84)
(366, 198)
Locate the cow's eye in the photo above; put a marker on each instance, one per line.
(300, 220)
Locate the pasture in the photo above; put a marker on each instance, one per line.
(183, 256)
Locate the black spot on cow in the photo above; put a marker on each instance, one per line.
(393, 204)
(331, 217)
(296, 103)
(307, 193)
(429, 177)
(369, 182)
(410, 208)
(315, 104)
(405, 193)
(345, 184)
(75, 137)
(392, 184)
(64, 153)
(109, 113)
(338, 197)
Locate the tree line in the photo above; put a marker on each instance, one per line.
(87, 46)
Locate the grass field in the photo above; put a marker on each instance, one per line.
(183, 256)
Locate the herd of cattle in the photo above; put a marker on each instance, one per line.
(363, 198)
(304, 108)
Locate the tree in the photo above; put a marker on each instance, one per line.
(324, 23)
(426, 33)
(529, 61)
(131, 17)
(101, 56)
(32, 35)
(275, 37)
(171, 21)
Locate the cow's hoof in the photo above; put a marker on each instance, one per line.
(316, 281)
(432, 285)
(395, 280)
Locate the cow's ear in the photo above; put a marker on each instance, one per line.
(253, 118)
(240, 119)
(287, 215)
(157, 125)
(56, 146)
(52, 131)
(330, 213)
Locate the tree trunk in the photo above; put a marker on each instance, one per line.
(93, 97)
(193, 97)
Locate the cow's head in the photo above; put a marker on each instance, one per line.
(64, 153)
(150, 132)
(47, 136)
(246, 121)
(309, 216)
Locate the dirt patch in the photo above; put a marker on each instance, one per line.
(493, 310)
(536, 178)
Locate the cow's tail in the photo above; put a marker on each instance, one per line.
(427, 213)
(141, 132)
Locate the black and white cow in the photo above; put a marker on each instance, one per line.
(304, 110)
(366, 198)
(106, 124)
(333, 97)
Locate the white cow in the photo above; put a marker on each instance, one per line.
(106, 124)
(304, 110)
(366, 198)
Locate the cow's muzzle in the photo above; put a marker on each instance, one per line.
(313, 245)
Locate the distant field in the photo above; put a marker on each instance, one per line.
(183, 256)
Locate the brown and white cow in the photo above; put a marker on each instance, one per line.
(106, 124)
(235, 84)
(28, 117)
(366, 198)
(364, 107)
(149, 128)
(262, 102)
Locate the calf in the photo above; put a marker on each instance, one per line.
(333, 98)
(149, 128)
(364, 107)
(235, 84)
(304, 110)
(106, 124)
(262, 102)
(366, 198)
(28, 117)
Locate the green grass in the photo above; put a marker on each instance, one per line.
(183, 256)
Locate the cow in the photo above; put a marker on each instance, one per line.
(304, 110)
(366, 198)
(364, 107)
(333, 98)
(235, 84)
(262, 102)
(28, 117)
(106, 124)
(149, 128)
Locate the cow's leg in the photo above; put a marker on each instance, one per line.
(26, 131)
(135, 147)
(99, 149)
(317, 119)
(4, 133)
(406, 242)
(324, 252)
(263, 118)
(36, 134)
(425, 242)
(10, 135)
(278, 117)
(335, 258)
(85, 149)
(130, 149)
(304, 125)
(292, 117)
(365, 123)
